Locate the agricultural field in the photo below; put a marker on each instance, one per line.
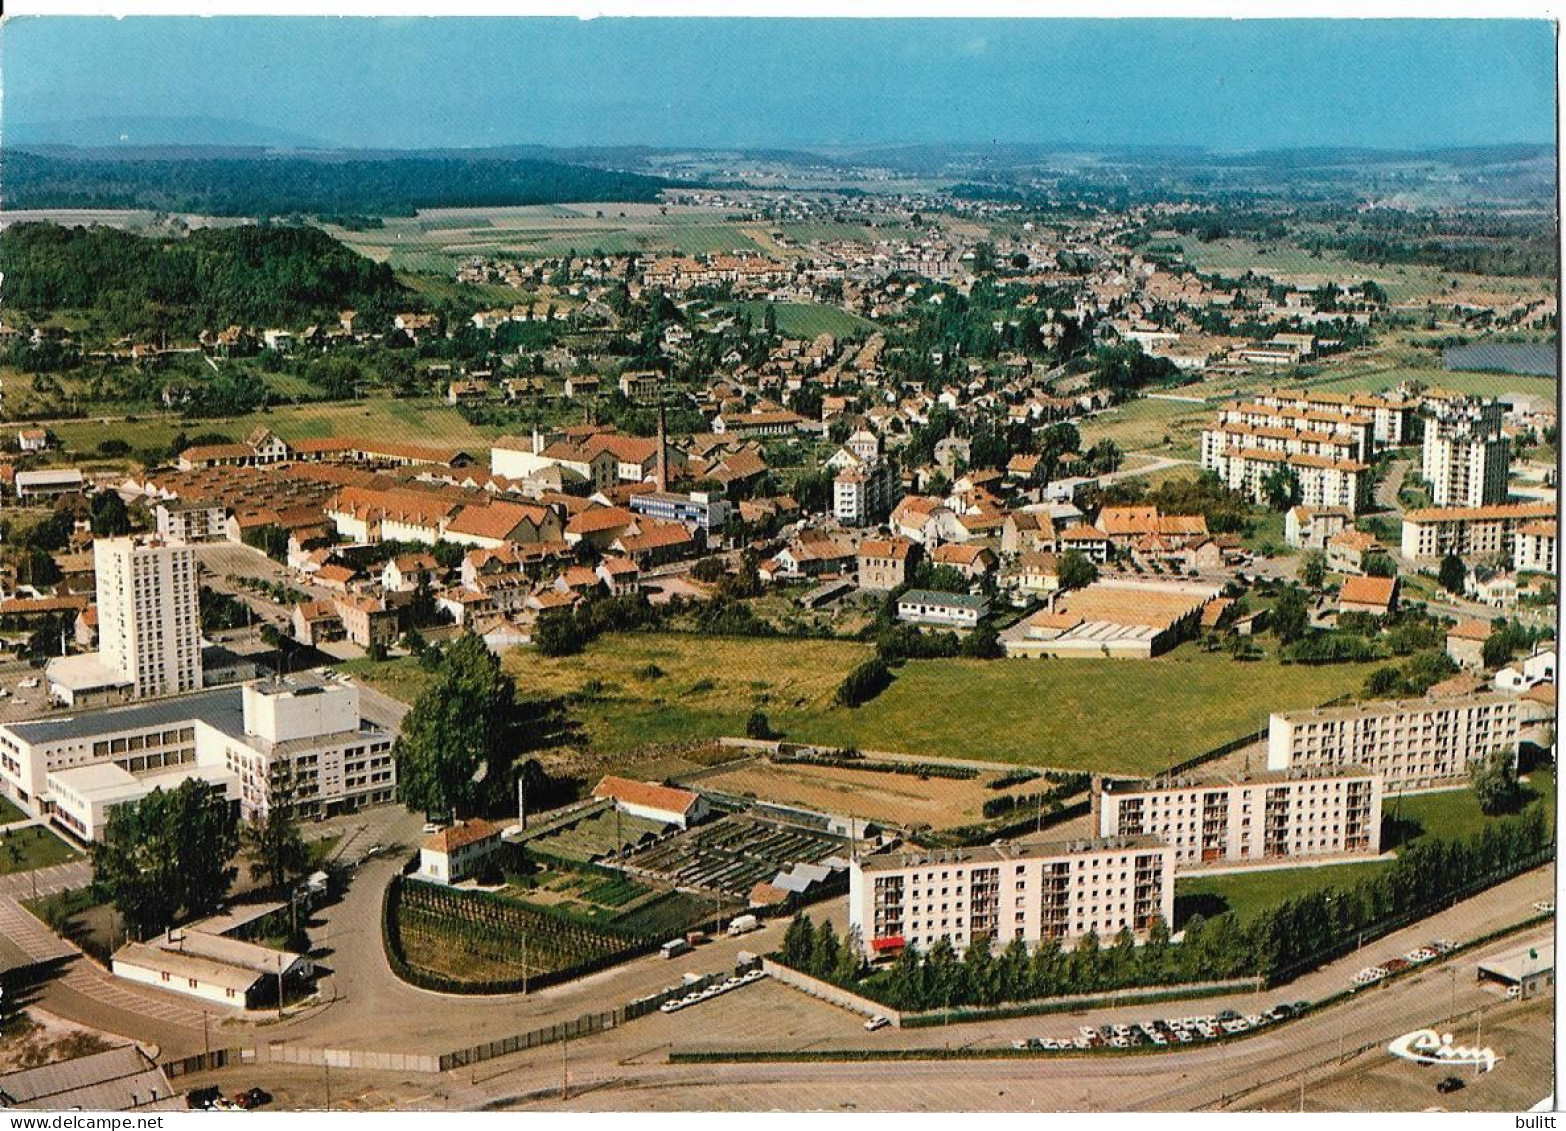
(1402, 282)
(893, 798)
(809, 320)
(465, 937)
(428, 420)
(435, 240)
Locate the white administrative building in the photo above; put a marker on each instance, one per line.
(73, 769)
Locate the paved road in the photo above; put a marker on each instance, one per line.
(1391, 484)
(47, 881)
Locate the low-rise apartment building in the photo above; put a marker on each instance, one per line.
(1015, 890)
(1405, 742)
(1250, 818)
(1432, 533)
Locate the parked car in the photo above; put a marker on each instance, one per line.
(252, 1098)
(1450, 1084)
(877, 1022)
(1544, 907)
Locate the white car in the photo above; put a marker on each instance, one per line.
(29, 683)
(1544, 907)
(877, 1022)
(671, 1007)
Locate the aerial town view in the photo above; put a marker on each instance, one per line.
(778, 565)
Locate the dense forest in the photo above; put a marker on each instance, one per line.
(251, 275)
(264, 186)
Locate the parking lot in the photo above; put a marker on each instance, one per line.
(17, 699)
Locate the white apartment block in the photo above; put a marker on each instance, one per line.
(149, 618)
(1324, 481)
(864, 495)
(1253, 818)
(181, 522)
(1016, 890)
(1395, 417)
(1353, 432)
(75, 769)
(1465, 455)
(1470, 532)
(1405, 742)
(1537, 546)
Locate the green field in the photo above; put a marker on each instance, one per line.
(1286, 262)
(22, 850)
(1127, 716)
(1454, 813)
(1251, 893)
(422, 421)
(1145, 425)
(1451, 814)
(808, 320)
(9, 812)
(1373, 380)
(435, 241)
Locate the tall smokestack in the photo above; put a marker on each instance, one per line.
(663, 448)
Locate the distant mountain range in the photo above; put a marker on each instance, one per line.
(131, 131)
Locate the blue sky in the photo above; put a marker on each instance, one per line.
(409, 82)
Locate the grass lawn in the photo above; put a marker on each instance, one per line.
(809, 319)
(1377, 378)
(23, 850)
(9, 812)
(1250, 893)
(1453, 814)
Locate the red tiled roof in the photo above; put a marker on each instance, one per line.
(647, 794)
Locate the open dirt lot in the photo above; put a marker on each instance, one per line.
(900, 799)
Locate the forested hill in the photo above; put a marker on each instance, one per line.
(250, 275)
(329, 184)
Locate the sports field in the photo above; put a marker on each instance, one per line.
(808, 319)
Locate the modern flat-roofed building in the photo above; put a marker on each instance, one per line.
(1249, 818)
(1029, 890)
(241, 738)
(183, 521)
(1434, 532)
(1537, 547)
(697, 510)
(1405, 742)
